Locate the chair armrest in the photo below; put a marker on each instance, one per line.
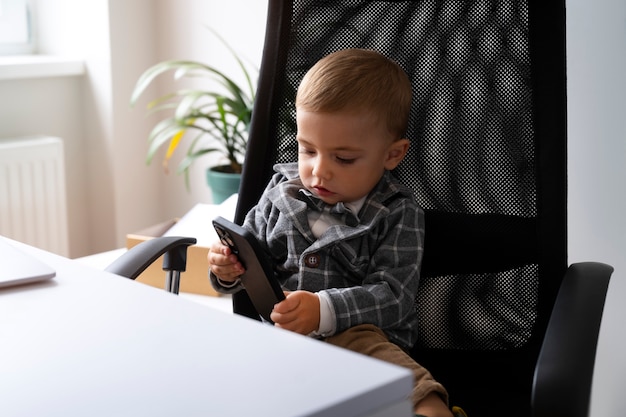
(139, 257)
(564, 370)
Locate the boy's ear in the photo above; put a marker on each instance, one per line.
(396, 152)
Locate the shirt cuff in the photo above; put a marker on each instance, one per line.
(227, 284)
(224, 287)
(328, 322)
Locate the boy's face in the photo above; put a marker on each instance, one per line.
(342, 155)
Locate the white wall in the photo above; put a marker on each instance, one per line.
(87, 112)
(596, 69)
(111, 191)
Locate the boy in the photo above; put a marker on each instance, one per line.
(345, 235)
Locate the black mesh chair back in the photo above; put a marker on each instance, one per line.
(487, 162)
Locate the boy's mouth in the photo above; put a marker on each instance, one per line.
(322, 192)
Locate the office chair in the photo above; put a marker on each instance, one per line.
(506, 325)
(174, 250)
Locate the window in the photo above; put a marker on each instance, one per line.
(15, 27)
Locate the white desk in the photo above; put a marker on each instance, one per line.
(101, 260)
(90, 343)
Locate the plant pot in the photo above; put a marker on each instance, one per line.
(223, 184)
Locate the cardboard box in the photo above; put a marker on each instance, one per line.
(194, 280)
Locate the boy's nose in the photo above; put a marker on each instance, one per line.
(320, 168)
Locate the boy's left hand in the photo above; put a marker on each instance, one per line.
(298, 312)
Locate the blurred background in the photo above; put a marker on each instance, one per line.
(110, 190)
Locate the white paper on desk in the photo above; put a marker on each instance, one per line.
(197, 221)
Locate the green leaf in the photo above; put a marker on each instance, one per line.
(223, 113)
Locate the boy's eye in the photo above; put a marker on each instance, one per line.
(345, 161)
(306, 151)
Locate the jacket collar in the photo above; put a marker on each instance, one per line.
(291, 196)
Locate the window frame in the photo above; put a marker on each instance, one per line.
(16, 19)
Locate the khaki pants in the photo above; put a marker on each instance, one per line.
(369, 340)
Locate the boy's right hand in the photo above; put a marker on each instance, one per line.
(223, 263)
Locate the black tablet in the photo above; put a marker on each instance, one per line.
(258, 280)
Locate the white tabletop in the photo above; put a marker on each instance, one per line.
(92, 343)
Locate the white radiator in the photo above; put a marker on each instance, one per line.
(33, 206)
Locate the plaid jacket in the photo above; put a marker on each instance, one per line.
(369, 265)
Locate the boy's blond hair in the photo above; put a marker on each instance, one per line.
(357, 80)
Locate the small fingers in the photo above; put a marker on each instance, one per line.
(223, 263)
(228, 273)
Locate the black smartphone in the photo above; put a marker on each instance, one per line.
(258, 279)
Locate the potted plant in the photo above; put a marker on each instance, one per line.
(221, 114)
